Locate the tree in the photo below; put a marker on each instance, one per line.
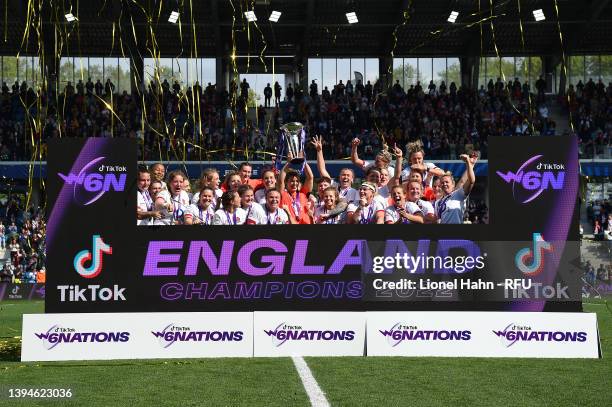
(254, 99)
(500, 68)
(124, 78)
(453, 72)
(66, 72)
(95, 72)
(606, 68)
(576, 69)
(592, 67)
(406, 74)
(159, 71)
(10, 74)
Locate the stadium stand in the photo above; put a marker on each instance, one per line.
(448, 120)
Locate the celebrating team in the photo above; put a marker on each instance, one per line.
(419, 193)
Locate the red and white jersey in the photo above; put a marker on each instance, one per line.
(392, 215)
(425, 206)
(297, 205)
(384, 192)
(260, 196)
(261, 215)
(179, 204)
(254, 207)
(321, 210)
(368, 214)
(384, 201)
(222, 217)
(145, 204)
(204, 216)
(349, 194)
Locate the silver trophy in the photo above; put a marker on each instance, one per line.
(294, 137)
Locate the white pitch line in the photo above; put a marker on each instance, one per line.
(315, 394)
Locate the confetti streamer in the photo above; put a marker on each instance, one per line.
(525, 73)
(564, 65)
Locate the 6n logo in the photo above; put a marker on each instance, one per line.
(531, 179)
(88, 187)
(96, 182)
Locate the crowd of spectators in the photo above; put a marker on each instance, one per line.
(590, 106)
(476, 212)
(595, 275)
(22, 240)
(212, 123)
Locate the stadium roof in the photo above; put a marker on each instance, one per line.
(313, 27)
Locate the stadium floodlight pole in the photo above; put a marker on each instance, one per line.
(70, 17)
(453, 16)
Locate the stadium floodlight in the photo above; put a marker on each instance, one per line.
(453, 16)
(250, 16)
(539, 15)
(275, 16)
(173, 17)
(70, 17)
(352, 17)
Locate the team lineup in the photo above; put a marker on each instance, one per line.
(418, 193)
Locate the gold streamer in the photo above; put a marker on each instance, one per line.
(6, 20)
(405, 18)
(525, 73)
(501, 71)
(564, 66)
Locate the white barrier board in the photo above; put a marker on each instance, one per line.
(48, 337)
(309, 333)
(487, 334)
(136, 335)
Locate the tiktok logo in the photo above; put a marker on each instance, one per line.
(95, 267)
(531, 262)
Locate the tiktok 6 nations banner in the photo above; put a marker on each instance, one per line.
(275, 334)
(99, 260)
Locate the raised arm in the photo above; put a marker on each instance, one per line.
(309, 181)
(317, 142)
(397, 176)
(470, 176)
(472, 158)
(354, 156)
(436, 172)
(283, 174)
